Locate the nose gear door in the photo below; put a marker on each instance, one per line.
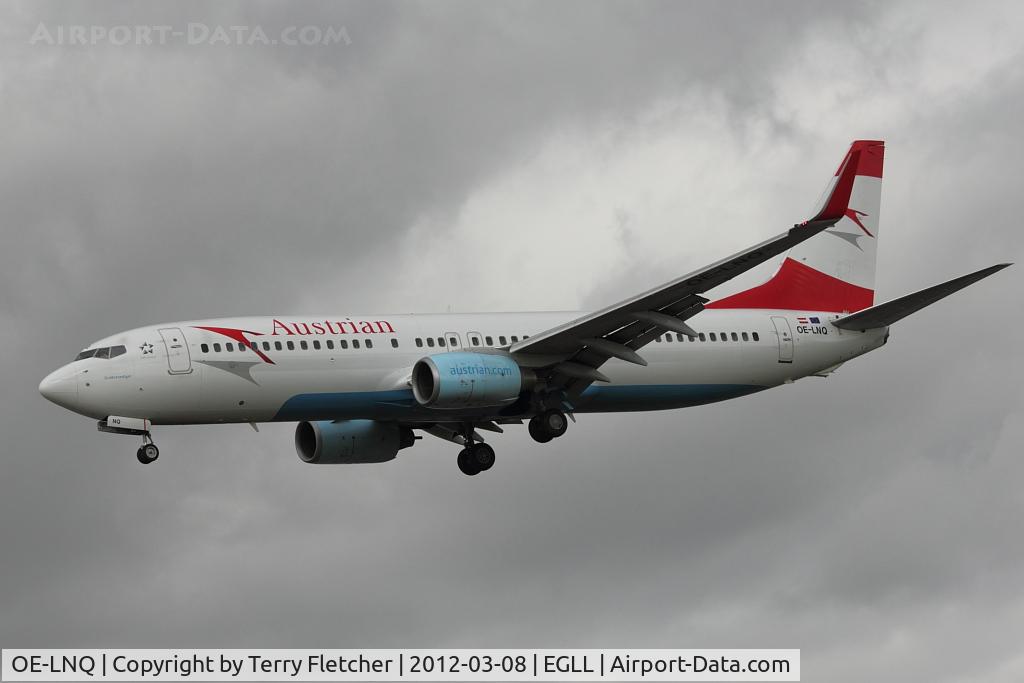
(179, 361)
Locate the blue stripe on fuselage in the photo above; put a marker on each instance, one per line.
(400, 404)
(347, 405)
(614, 398)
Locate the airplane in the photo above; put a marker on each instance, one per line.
(361, 386)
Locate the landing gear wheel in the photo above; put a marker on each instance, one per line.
(147, 453)
(555, 423)
(537, 432)
(466, 464)
(548, 425)
(481, 456)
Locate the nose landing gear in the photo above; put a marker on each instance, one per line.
(148, 452)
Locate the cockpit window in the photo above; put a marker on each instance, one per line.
(105, 352)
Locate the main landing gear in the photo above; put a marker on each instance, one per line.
(476, 458)
(548, 425)
(148, 452)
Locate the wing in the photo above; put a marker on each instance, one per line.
(567, 357)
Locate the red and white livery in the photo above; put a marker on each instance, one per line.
(360, 386)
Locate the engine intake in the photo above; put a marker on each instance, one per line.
(349, 442)
(464, 379)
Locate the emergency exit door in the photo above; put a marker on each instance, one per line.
(453, 340)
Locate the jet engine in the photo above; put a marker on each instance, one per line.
(348, 442)
(465, 379)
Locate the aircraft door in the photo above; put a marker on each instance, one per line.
(453, 341)
(179, 361)
(785, 335)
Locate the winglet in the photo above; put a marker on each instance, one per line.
(865, 157)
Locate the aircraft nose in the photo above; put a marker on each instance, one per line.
(60, 387)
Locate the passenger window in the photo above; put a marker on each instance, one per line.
(514, 339)
(489, 340)
(713, 337)
(756, 338)
(725, 337)
(745, 337)
(452, 341)
(430, 342)
(205, 348)
(116, 351)
(501, 340)
(343, 343)
(680, 337)
(658, 339)
(216, 348)
(330, 344)
(394, 343)
(475, 341)
(304, 345)
(701, 337)
(734, 337)
(369, 343)
(266, 346)
(277, 345)
(229, 346)
(291, 346)
(668, 337)
(440, 341)
(355, 343)
(419, 342)
(103, 353)
(316, 344)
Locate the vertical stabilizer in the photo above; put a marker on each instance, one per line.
(835, 270)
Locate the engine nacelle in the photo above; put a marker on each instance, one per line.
(465, 379)
(349, 442)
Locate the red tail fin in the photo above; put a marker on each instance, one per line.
(826, 273)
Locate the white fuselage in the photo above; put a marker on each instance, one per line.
(349, 367)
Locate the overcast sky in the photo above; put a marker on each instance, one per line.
(511, 156)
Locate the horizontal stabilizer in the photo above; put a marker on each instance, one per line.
(886, 314)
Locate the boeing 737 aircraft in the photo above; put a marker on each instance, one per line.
(360, 386)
